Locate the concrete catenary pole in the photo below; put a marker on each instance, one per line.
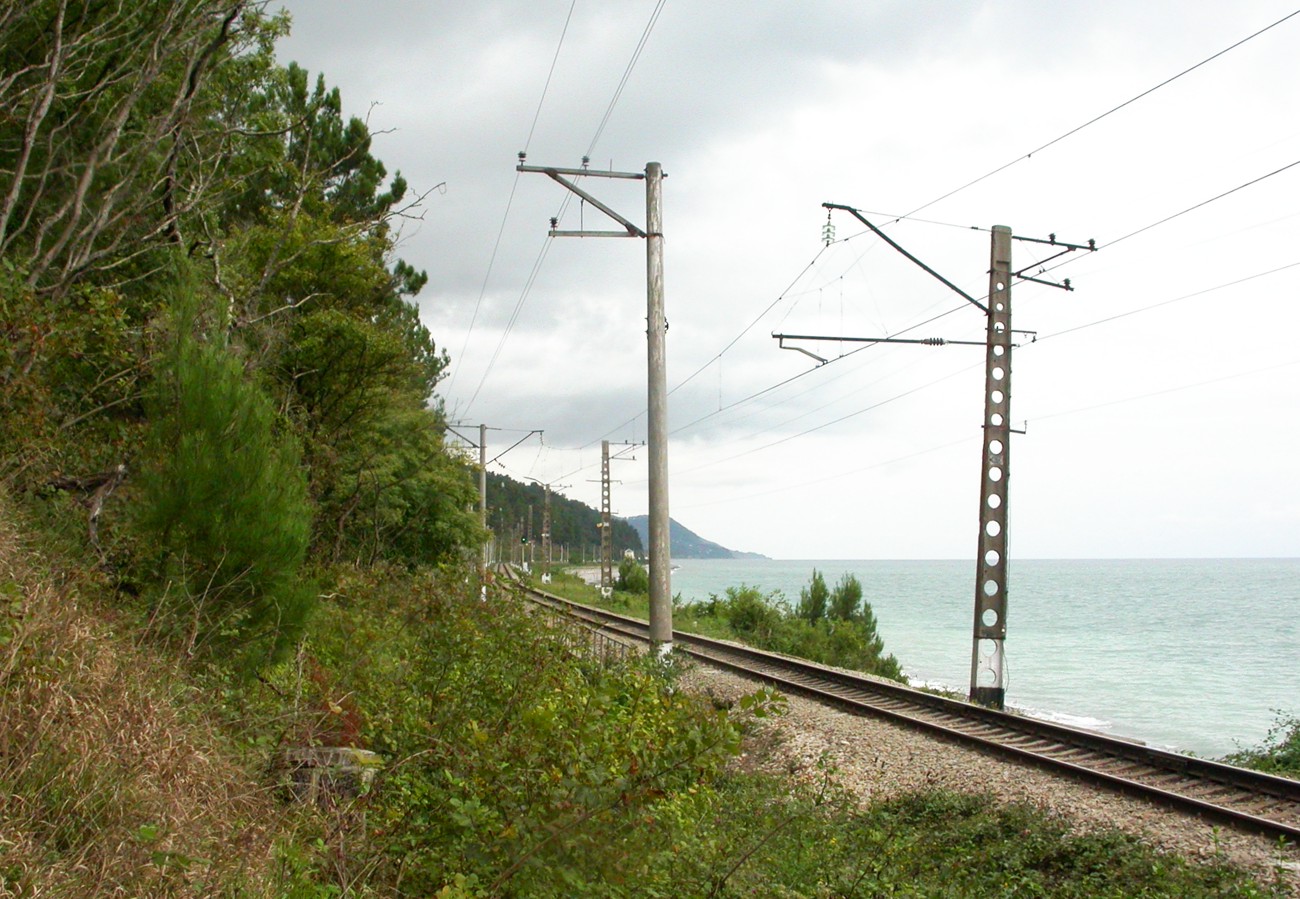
(661, 607)
(546, 533)
(482, 488)
(606, 526)
(988, 659)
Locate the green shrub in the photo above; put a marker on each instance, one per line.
(1278, 754)
(831, 628)
(515, 767)
(224, 502)
(750, 615)
(632, 577)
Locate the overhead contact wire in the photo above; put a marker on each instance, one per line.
(693, 375)
(627, 74)
(496, 246)
(1108, 112)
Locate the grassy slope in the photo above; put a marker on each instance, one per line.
(119, 775)
(111, 780)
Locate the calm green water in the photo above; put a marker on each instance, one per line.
(1193, 655)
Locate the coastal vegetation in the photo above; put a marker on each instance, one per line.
(232, 528)
(831, 626)
(1279, 753)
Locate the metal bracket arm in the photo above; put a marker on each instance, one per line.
(921, 341)
(582, 172)
(554, 174)
(1090, 246)
(886, 238)
(1064, 285)
(798, 349)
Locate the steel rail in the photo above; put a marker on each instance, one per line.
(1256, 802)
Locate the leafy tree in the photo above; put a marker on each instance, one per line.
(813, 599)
(71, 376)
(131, 133)
(105, 145)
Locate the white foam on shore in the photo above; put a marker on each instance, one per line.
(1066, 719)
(1082, 722)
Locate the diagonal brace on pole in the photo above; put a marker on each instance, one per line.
(887, 239)
(554, 174)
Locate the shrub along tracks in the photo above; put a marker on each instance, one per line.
(1258, 803)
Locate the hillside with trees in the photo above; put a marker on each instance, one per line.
(575, 531)
(686, 544)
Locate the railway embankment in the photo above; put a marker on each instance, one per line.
(513, 766)
(877, 761)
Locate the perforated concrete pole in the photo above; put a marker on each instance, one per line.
(606, 526)
(546, 533)
(988, 660)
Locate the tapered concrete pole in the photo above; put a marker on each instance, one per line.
(482, 488)
(606, 526)
(988, 652)
(661, 606)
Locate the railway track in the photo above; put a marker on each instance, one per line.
(1255, 802)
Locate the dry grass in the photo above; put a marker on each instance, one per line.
(110, 783)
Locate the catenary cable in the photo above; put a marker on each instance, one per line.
(721, 352)
(532, 277)
(1026, 156)
(1108, 112)
(627, 73)
(1186, 296)
(496, 245)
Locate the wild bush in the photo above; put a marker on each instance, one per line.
(831, 627)
(224, 501)
(515, 766)
(632, 577)
(112, 779)
(1278, 754)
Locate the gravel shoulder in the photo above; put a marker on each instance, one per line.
(875, 759)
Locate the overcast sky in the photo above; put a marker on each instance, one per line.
(1160, 399)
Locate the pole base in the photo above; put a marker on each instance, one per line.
(991, 697)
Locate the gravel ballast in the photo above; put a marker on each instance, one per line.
(877, 759)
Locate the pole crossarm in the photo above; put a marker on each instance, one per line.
(922, 341)
(887, 239)
(1064, 285)
(513, 445)
(557, 175)
(1051, 241)
(580, 173)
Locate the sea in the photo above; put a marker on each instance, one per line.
(1192, 655)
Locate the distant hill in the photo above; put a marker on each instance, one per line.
(512, 505)
(686, 544)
